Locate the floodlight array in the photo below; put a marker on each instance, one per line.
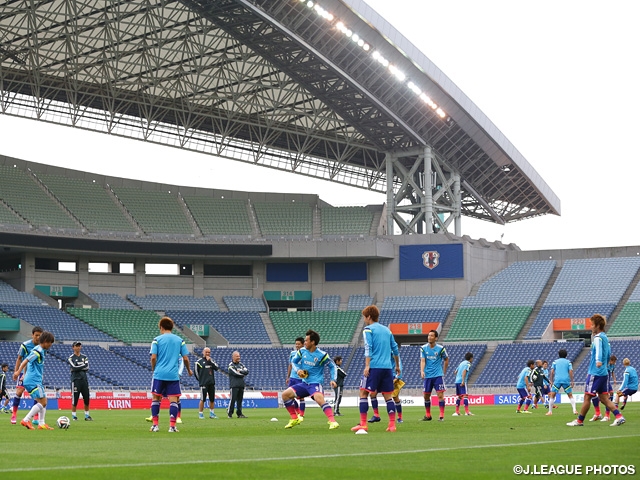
(377, 56)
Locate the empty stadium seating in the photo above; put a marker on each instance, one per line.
(359, 302)
(438, 315)
(128, 326)
(627, 324)
(346, 220)
(284, 218)
(89, 202)
(240, 303)
(11, 296)
(216, 216)
(240, 328)
(327, 303)
(24, 196)
(64, 326)
(333, 327)
(155, 211)
(111, 300)
(585, 287)
(174, 302)
(418, 302)
(503, 303)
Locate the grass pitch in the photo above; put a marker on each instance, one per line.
(118, 444)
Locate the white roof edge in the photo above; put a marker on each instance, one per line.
(422, 62)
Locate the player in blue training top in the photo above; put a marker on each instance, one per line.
(629, 383)
(561, 376)
(380, 354)
(597, 375)
(309, 363)
(32, 381)
(524, 387)
(293, 378)
(462, 377)
(23, 352)
(166, 351)
(433, 366)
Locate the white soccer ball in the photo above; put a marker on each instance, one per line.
(63, 422)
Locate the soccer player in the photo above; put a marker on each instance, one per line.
(597, 375)
(561, 377)
(23, 352)
(524, 387)
(537, 379)
(166, 349)
(462, 377)
(3, 388)
(629, 383)
(203, 370)
(433, 367)
(309, 363)
(292, 376)
(79, 364)
(380, 355)
(32, 381)
(341, 375)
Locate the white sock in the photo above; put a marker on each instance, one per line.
(551, 400)
(43, 412)
(573, 403)
(34, 410)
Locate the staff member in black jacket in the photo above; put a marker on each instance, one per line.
(237, 372)
(79, 364)
(205, 367)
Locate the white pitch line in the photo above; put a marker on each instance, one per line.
(304, 457)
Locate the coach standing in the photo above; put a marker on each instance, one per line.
(237, 372)
(203, 371)
(79, 364)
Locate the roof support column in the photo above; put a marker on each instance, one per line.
(428, 190)
(457, 205)
(391, 201)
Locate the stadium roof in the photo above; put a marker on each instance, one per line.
(327, 89)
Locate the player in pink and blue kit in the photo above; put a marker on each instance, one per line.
(523, 386)
(292, 375)
(309, 363)
(462, 379)
(433, 366)
(597, 375)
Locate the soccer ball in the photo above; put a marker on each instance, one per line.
(63, 422)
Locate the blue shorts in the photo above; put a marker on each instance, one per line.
(307, 389)
(379, 380)
(166, 388)
(546, 389)
(35, 391)
(461, 389)
(596, 384)
(294, 381)
(523, 392)
(627, 391)
(566, 386)
(434, 383)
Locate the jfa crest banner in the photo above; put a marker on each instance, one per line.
(418, 262)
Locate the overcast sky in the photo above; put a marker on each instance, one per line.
(559, 79)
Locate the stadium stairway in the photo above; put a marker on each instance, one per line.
(584, 353)
(536, 308)
(446, 325)
(271, 331)
(623, 301)
(481, 364)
